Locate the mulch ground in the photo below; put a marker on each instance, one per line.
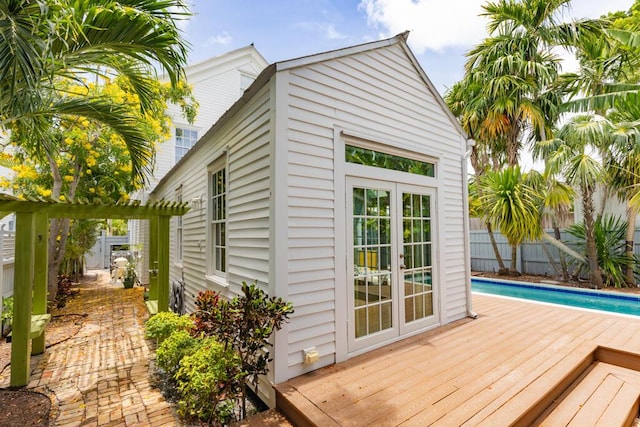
(24, 408)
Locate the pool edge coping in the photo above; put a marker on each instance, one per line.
(560, 288)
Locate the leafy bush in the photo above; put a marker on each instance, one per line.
(610, 243)
(207, 311)
(163, 324)
(173, 349)
(7, 311)
(207, 381)
(244, 324)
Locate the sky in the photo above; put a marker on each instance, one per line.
(441, 31)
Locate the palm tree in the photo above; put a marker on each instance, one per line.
(511, 77)
(557, 199)
(512, 207)
(518, 68)
(42, 42)
(573, 154)
(46, 44)
(624, 170)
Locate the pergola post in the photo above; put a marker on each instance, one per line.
(22, 299)
(40, 276)
(153, 258)
(163, 263)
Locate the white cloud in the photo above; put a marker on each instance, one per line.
(439, 24)
(434, 24)
(594, 8)
(222, 39)
(328, 30)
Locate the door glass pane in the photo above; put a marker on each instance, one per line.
(418, 291)
(385, 315)
(372, 281)
(361, 321)
(358, 201)
(426, 207)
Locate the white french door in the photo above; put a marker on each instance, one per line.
(390, 261)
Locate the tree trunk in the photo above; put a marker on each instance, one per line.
(58, 226)
(630, 278)
(553, 262)
(563, 260)
(501, 267)
(589, 225)
(564, 248)
(514, 261)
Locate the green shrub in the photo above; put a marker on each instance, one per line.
(173, 349)
(244, 324)
(7, 311)
(609, 233)
(207, 311)
(163, 324)
(207, 382)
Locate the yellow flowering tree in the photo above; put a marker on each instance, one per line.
(90, 160)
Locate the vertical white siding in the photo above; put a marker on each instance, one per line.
(245, 138)
(378, 93)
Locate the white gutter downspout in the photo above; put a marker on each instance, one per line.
(465, 210)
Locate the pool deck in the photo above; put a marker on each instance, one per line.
(518, 363)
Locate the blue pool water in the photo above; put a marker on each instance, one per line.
(595, 300)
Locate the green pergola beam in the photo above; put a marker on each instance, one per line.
(40, 276)
(153, 259)
(55, 209)
(30, 273)
(163, 263)
(22, 302)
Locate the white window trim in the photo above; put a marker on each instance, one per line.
(213, 274)
(175, 139)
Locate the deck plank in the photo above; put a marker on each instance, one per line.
(452, 371)
(567, 409)
(484, 371)
(622, 409)
(597, 403)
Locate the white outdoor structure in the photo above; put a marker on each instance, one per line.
(367, 255)
(217, 83)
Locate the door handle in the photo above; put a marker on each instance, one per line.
(402, 266)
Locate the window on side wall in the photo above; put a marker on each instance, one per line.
(179, 228)
(185, 139)
(217, 207)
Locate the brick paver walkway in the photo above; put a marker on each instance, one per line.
(101, 376)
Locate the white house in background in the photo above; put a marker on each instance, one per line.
(7, 222)
(293, 189)
(217, 83)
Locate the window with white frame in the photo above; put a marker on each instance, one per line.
(179, 228)
(218, 220)
(185, 139)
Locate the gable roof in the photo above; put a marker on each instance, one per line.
(266, 75)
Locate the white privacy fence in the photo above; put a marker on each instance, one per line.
(532, 257)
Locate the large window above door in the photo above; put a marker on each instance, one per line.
(367, 157)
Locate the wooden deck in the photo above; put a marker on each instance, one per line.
(519, 363)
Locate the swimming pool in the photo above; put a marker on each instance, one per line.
(583, 298)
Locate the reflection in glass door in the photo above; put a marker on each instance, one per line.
(372, 282)
(390, 241)
(417, 257)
